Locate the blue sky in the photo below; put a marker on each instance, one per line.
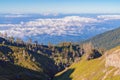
(60, 6)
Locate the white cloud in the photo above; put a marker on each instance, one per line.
(15, 15)
(49, 14)
(60, 26)
(108, 17)
(67, 21)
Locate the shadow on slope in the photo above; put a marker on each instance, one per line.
(5, 49)
(46, 63)
(65, 75)
(9, 71)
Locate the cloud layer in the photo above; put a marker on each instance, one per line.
(61, 26)
(69, 25)
(15, 15)
(108, 17)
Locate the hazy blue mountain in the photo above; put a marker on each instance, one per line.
(106, 40)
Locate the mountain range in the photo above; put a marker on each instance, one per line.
(21, 60)
(106, 67)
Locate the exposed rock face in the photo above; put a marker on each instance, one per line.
(113, 59)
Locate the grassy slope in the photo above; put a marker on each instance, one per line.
(25, 67)
(89, 70)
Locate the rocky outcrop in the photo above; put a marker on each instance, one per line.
(113, 59)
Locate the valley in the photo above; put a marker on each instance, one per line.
(21, 60)
(59, 39)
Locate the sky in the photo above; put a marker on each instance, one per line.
(59, 6)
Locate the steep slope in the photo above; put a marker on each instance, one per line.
(103, 68)
(106, 40)
(16, 62)
(44, 60)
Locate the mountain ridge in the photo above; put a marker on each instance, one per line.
(106, 40)
(96, 69)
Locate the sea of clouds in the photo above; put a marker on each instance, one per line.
(68, 25)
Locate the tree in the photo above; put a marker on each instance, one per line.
(19, 41)
(11, 39)
(88, 50)
(36, 43)
(5, 35)
(1, 35)
(33, 59)
(50, 45)
(71, 48)
(29, 41)
(88, 47)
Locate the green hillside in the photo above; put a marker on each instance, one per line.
(106, 40)
(22, 61)
(15, 64)
(32, 61)
(29, 60)
(94, 69)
